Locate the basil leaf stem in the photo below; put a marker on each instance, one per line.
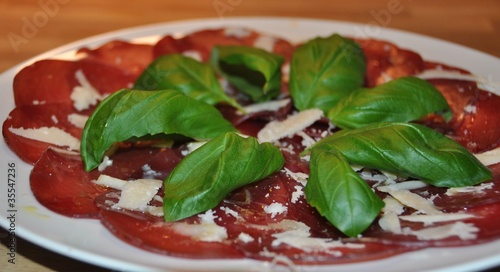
(132, 113)
(253, 71)
(409, 150)
(324, 70)
(193, 78)
(340, 194)
(205, 176)
(400, 100)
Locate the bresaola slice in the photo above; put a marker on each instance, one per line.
(386, 61)
(60, 183)
(131, 57)
(202, 42)
(475, 124)
(54, 115)
(53, 81)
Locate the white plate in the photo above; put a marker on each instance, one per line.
(88, 241)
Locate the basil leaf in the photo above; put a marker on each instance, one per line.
(205, 176)
(400, 100)
(324, 70)
(410, 150)
(253, 71)
(340, 194)
(132, 113)
(185, 74)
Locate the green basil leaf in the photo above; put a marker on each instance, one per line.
(410, 150)
(340, 194)
(185, 74)
(253, 71)
(324, 70)
(205, 176)
(133, 113)
(400, 100)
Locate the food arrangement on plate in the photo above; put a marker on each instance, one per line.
(231, 143)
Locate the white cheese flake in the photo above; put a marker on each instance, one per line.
(237, 32)
(206, 232)
(406, 185)
(265, 43)
(409, 199)
(429, 219)
(149, 173)
(297, 234)
(390, 222)
(137, 194)
(111, 182)
(297, 176)
(192, 146)
(489, 157)
(483, 83)
(194, 54)
(78, 120)
(464, 231)
(392, 206)
(478, 189)
(104, 164)
(275, 208)
(272, 105)
(470, 109)
(85, 95)
(297, 193)
(230, 211)
(50, 135)
(54, 119)
(208, 217)
(276, 130)
(245, 237)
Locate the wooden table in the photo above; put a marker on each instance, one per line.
(473, 24)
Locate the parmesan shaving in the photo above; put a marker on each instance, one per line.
(489, 157)
(463, 230)
(483, 83)
(50, 135)
(276, 130)
(85, 95)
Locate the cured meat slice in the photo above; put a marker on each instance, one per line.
(60, 183)
(52, 81)
(131, 57)
(476, 121)
(203, 41)
(55, 115)
(386, 61)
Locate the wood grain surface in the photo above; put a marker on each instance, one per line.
(474, 24)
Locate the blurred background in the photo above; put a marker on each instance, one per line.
(31, 27)
(474, 24)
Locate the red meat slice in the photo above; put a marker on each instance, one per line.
(131, 57)
(203, 41)
(52, 81)
(33, 117)
(385, 60)
(60, 183)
